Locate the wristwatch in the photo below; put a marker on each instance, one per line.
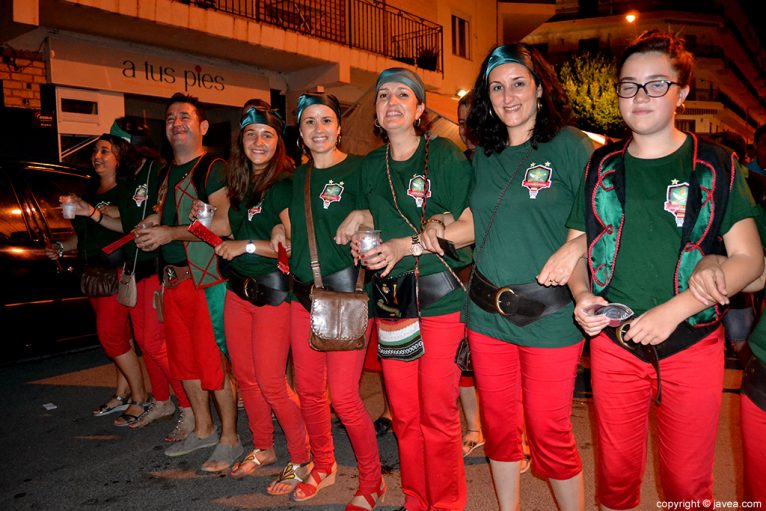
(416, 249)
(250, 247)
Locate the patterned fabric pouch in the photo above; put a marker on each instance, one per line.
(400, 339)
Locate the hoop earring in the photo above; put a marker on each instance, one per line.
(337, 142)
(539, 105)
(680, 109)
(491, 112)
(417, 122)
(377, 124)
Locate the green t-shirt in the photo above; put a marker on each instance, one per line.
(449, 175)
(655, 199)
(757, 338)
(91, 236)
(335, 193)
(528, 229)
(137, 199)
(174, 252)
(254, 222)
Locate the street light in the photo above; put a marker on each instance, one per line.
(632, 18)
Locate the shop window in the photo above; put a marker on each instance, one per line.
(461, 37)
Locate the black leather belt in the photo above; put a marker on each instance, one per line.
(754, 382)
(343, 281)
(434, 287)
(394, 297)
(522, 304)
(270, 289)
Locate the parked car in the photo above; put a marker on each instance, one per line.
(42, 310)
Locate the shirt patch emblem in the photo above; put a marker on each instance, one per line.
(254, 211)
(102, 204)
(332, 192)
(537, 177)
(419, 189)
(141, 194)
(675, 202)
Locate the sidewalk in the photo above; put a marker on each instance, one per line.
(66, 459)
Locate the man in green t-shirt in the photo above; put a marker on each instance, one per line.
(194, 291)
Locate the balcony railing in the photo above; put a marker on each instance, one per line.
(363, 24)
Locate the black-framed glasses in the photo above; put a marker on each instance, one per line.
(653, 88)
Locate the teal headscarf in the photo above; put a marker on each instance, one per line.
(405, 76)
(312, 98)
(255, 115)
(507, 53)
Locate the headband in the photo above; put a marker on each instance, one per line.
(262, 116)
(308, 99)
(511, 53)
(404, 76)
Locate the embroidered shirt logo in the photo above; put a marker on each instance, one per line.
(254, 211)
(419, 189)
(141, 194)
(675, 202)
(332, 192)
(102, 204)
(537, 177)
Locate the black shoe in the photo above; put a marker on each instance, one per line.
(382, 425)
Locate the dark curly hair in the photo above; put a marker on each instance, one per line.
(244, 186)
(554, 113)
(667, 44)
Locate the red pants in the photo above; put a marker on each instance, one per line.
(258, 340)
(754, 450)
(423, 395)
(541, 380)
(192, 350)
(341, 371)
(112, 325)
(624, 388)
(150, 336)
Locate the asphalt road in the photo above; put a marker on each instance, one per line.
(63, 458)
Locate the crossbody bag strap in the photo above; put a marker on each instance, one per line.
(310, 230)
(422, 209)
(143, 213)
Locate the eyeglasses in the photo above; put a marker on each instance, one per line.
(653, 89)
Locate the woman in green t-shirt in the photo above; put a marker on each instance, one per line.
(112, 318)
(417, 295)
(525, 346)
(334, 191)
(256, 314)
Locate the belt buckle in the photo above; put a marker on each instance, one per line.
(498, 294)
(246, 288)
(171, 274)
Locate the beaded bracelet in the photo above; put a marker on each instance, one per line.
(434, 219)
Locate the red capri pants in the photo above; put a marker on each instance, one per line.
(150, 336)
(545, 377)
(340, 371)
(192, 350)
(423, 397)
(112, 325)
(258, 340)
(754, 450)
(624, 388)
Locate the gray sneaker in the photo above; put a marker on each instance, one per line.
(223, 457)
(192, 443)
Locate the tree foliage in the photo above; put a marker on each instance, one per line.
(588, 80)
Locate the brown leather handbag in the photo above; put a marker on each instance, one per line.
(338, 319)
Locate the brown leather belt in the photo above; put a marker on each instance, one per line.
(521, 304)
(270, 289)
(173, 275)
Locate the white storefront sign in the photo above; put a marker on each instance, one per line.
(96, 65)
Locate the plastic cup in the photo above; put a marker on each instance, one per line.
(205, 214)
(369, 239)
(68, 206)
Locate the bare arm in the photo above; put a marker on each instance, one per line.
(459, 231)
(561, 263)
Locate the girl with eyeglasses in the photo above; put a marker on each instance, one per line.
(651, 207)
